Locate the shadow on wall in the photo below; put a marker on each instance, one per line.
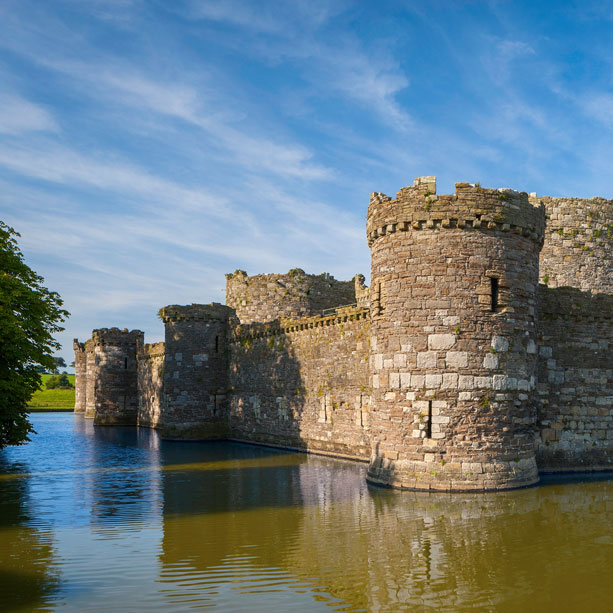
(267, 390)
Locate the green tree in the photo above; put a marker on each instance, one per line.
(58, 363)
(29, 316)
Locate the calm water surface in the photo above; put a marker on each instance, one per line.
(113, 519)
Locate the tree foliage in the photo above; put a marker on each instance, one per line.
(29, 316)
(58, 363)
(61, 382)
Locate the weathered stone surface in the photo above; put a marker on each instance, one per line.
(264, 298)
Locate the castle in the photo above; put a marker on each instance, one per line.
(456, 370)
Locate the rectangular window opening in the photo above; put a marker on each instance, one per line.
(429, 422)
(125, 363)
(494, 294)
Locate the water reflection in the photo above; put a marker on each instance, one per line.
(114, 519)
(26, 575)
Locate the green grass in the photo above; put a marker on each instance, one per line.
(52, 400)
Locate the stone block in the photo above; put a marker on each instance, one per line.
(456, 359)
(466, 382)
(440, 342)
(426, 359)
(490, 361)
(450, 380)
(434, 381)
(500, 344)
(400, 360)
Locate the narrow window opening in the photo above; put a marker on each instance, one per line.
(494, 294)
(217, 344)
(429, 422)
(125, 363)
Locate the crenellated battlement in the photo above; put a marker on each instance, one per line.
(418, 207)
(115, 336)
(151, 350)
(195, 312)
(287, 325)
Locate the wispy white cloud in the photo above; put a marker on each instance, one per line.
(598, 106)
(19, 116)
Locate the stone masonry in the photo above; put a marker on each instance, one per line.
(454, 371)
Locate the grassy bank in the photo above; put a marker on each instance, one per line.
(52, 400)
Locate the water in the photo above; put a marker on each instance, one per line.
(113, 519)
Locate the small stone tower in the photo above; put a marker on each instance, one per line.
(111, 395)
(453, 337)
(195, 371)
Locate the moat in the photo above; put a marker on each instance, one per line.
(114, 519)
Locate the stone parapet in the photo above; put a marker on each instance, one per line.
(115, 336)
(195, 312)
(418, 207)
(288, 325)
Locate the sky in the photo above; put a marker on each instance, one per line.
(147, 147)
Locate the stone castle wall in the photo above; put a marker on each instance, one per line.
(303, 384)
(264, 298)
(575, 380)
(150, 384)
(80, 364)
(454, 371)
(578, 248)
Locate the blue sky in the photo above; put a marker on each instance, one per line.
(149, 146)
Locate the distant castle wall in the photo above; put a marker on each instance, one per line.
(303, 384)
(263, 298)
(453, 371)
(578, 248)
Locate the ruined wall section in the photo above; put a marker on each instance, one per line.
(90, 379)
(150, 384)
(578, 247)
(303, 383)
(80, 364)
(195, 378)
(112, 377)
(575, 380)
(453, 337)
(265, 298)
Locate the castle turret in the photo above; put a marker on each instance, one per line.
(80, 367)
(453, 337)
(106, 368)
(195, 371)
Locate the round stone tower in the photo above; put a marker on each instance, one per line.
(453, 337)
